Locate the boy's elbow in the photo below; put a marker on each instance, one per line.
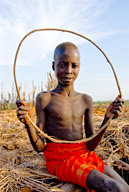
(90, 146)
(39, 147)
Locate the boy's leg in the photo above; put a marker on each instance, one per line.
(103, 183)
(113, 174)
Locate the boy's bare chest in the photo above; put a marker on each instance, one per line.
(65, 108)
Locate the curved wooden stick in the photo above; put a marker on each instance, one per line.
(14, 70)
(56, 140)
(63, 30)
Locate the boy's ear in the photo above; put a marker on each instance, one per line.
(53, 66)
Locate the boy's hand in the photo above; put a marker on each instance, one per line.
(122, 165)
(23, 111)
(115, 108)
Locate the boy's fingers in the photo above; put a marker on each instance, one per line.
(122, 165)
(25, 108)
(23, 119)
(118, 108)
(116, 113)
(20, 102)
(124, 168)
(23, 116)
(19, 112)
(119, 99)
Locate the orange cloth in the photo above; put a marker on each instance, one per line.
(71, 162)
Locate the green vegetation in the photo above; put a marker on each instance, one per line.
(108, 102)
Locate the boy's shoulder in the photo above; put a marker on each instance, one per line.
(46, 95)
(43, 97)
(86, 97)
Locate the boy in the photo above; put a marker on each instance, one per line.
(59, 114)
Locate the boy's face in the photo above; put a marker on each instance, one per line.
(66, 65)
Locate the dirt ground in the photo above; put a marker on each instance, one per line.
(21, 166)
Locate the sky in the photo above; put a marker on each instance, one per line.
(106, 22)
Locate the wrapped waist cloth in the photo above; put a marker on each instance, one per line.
(71, 162)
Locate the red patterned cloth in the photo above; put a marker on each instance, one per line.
(71, 162)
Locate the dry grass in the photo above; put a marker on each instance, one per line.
(21, 166)
(115, 143)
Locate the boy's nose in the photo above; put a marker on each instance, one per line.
(68, 69)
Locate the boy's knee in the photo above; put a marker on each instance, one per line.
(100, 182)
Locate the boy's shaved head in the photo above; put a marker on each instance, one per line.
(64, 47)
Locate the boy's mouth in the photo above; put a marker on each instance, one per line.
(67, 78)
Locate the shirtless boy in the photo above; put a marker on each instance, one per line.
(59, 114)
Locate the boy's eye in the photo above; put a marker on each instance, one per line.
(61, 65)
(74, 65)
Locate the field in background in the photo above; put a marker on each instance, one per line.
(8, 100)
(21, 166)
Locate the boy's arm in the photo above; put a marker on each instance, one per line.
(114, 108)
(36, 141)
